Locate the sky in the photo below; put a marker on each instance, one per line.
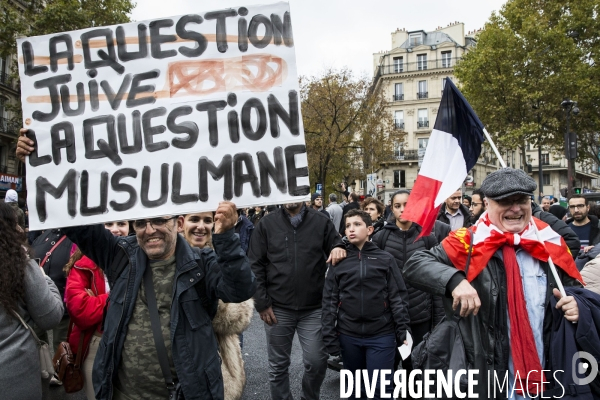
(344, 33)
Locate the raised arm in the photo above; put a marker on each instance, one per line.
(229, 276)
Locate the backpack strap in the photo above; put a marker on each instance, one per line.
(383, 238)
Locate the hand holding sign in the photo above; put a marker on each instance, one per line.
(24, 145)
(225, 217)
(159, 117)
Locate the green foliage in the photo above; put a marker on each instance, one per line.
(347, 128)
(530, 56)
(41, 17)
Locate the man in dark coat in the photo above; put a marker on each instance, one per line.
(501, 336)
(289, 252)
(454, 213)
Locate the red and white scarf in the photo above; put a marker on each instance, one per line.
(487, 239)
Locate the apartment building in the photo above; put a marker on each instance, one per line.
(11, 170)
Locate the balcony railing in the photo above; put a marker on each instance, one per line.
(399, 97)
(423, 123)
(417, 66)
(5, 79)
(406, 155)
(421, 95)
(7, 126)
(399, 124)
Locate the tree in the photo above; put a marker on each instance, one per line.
(42, 17)
(525, 62)
(347, 128)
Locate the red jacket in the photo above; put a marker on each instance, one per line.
(85, 311)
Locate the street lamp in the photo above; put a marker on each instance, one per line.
(570, 143)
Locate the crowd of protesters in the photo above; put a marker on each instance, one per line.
(156, 308)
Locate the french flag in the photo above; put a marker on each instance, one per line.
(453, 149)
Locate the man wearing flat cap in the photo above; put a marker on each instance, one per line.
(503, 297)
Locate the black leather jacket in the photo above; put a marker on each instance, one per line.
(485, 335)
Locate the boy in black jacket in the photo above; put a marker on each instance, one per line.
(365, 308)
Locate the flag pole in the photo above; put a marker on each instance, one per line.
(537, 233)
(491, 142)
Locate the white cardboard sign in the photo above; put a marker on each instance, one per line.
(163, 117)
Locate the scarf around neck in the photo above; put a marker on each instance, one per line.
(487, 239)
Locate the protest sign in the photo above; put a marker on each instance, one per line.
(163, 117)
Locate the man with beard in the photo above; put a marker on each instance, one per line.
(477, 205)
(586, 226)
(288, 254)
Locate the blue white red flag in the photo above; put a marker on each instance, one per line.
(453, 149)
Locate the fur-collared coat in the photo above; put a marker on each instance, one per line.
(229, 322)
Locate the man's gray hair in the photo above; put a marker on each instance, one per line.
(332, 197)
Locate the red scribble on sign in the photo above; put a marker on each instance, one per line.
(257, 73)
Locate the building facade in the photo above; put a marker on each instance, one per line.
(11, 170)
(412, 76)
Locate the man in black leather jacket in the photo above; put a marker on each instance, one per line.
(483, 298)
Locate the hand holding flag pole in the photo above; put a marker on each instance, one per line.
(452, 151)
(561, 288)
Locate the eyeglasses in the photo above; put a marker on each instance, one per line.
(155, 223)
(473, 204)
(521, 201)
(578, 206)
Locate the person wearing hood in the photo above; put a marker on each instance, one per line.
(12, 199)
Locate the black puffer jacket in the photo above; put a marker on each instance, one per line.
(364, 296)
(402, 245)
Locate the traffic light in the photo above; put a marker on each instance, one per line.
(563, 192)
(576, 190)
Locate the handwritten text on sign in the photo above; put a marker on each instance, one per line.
(163, 117)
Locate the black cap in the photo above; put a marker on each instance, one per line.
(507, 182)
(314, 196)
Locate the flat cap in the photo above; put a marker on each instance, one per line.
(507, 182)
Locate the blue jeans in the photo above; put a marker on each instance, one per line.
(370, 353)
(279, 348)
